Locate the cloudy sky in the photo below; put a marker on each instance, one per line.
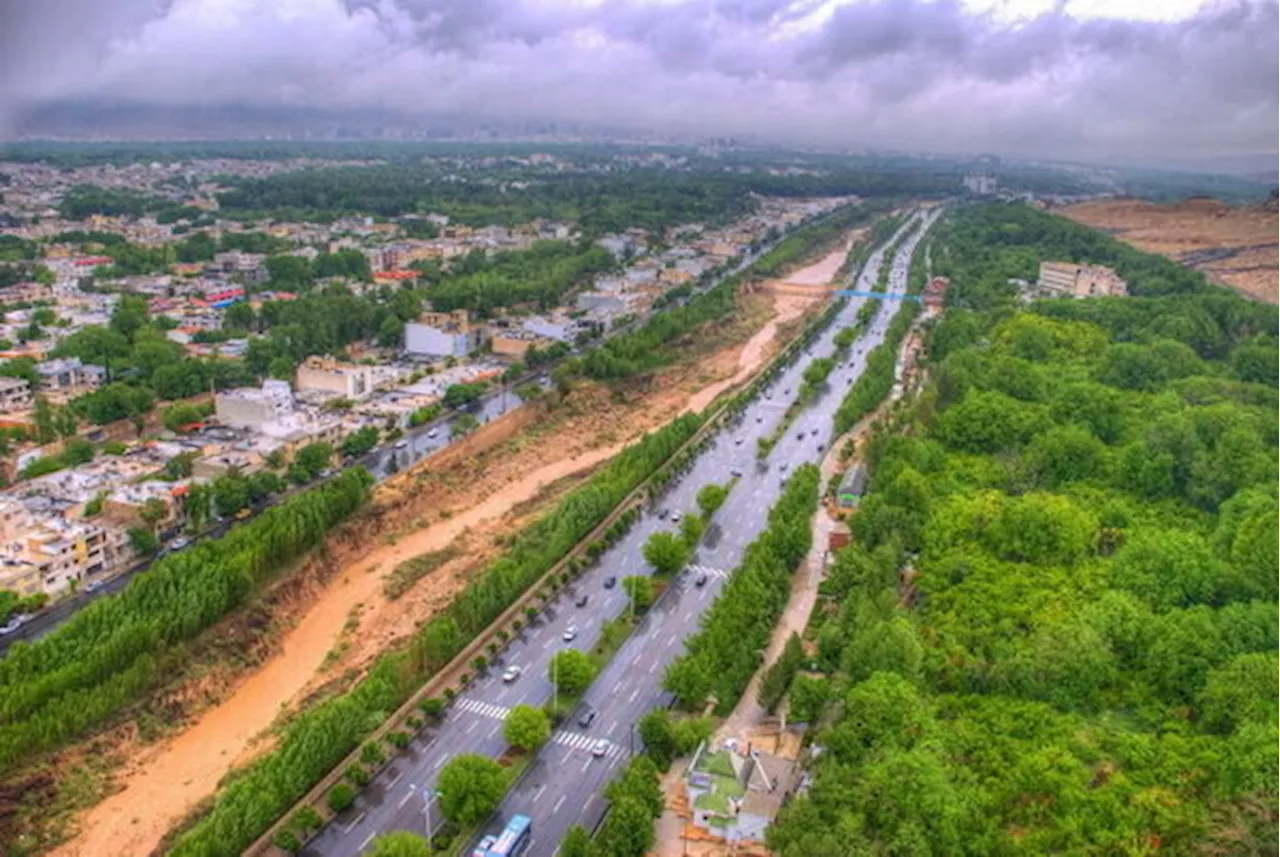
(1071, 78)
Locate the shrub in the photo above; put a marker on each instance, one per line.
(372, 753)
(286, 840)
(357, 775)
(399, 740)
(341, 797)
(432, 706)
(306, 820)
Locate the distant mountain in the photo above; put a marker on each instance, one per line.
(122, 121)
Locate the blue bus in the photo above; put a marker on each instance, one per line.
(512, 842)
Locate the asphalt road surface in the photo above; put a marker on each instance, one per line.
(565, 783)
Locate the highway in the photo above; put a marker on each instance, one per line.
(382, 463)
(565, 783)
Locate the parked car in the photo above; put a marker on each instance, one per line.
(512, 673)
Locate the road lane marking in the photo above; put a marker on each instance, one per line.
(559, 803)
(407, 798)
(471, 727)
(395, 779)
(352, 826)
(485, 709)
(539, 792)
(636, 692)
(367, 840)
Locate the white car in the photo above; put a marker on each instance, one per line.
(599, 748)
(402, 444)
(432, 433)
(12, 625)
(512, 673)
(570, 633)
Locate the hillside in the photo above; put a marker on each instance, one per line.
(1235, 246)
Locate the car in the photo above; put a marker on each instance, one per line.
(849, 381)
(662, 514)
(179, 543)
(512, 673)
(701, 580)
(759, 419)
(93, 585)
(735, 473)
(326, 473)
(675, 517)
(738, 441)
(432, 433)
(581, 600)
(483, 846)
(820, 447)
(587, 717)
(599, 748)
(814, 432)
(800, 435)
(402, 444)
(570, 634)
(12, 625)
(243, 513)
(782, 466)
(610, 582)
(787, 392)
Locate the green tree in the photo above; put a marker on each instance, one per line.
(711, 497)
(576, 843)
(526, 727)
(471, 787)
(1240, 692)
(143, 541)
(571, 670)
(400, 843)
(665, 552)
(639, 590)
(659, 737)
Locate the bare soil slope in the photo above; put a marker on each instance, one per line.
(1235, 246)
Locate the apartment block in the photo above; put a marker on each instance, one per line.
(250, 407)
(443, 334)
(15, 395)
(1080, 281)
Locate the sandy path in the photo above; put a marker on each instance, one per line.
(165, 782)
(822, 271)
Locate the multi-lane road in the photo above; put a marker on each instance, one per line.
(565, 783)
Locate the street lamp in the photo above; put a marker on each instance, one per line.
(427, 795)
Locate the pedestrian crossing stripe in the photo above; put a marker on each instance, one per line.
(475, 706)
(709, 571)
(579, 741)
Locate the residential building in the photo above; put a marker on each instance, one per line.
(15, 395)
(69, 373)
(325, 374)
(515, 342)
(1069, 279)
(443, 334)
(250, 407)
(56, 551)
(852, 486)
(124, 506)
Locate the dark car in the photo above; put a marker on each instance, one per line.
(587, 718)
(702, 580)
(581, 601)
(609, 582)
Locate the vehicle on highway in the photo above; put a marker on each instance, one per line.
(94, 585)
(782, 466)
(587, 718)
(814, 432)
(581, 600)
(514, 839)
(599, 748)
(662, 514)
(243, 513)
(738, 441)
(702, 580)
(12, 625)
(179, 543)
(570, 634)
(512, 673)
(800, 435)
(432, 433)
(609, 582)
(735, 473)
(759, 419)
(402, 444)
(675, 517)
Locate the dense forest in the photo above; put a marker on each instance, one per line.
(1055, 631)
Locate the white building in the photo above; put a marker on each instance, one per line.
(443, 334)
(249, 407)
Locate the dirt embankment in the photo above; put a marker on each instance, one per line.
(336, 618)
(1235, 246)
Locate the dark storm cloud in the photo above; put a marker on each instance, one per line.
(908, 73)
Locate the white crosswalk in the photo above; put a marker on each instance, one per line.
(709, 571)
(497, 712)
(579, 741)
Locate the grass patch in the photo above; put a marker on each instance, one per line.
(409, 572)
